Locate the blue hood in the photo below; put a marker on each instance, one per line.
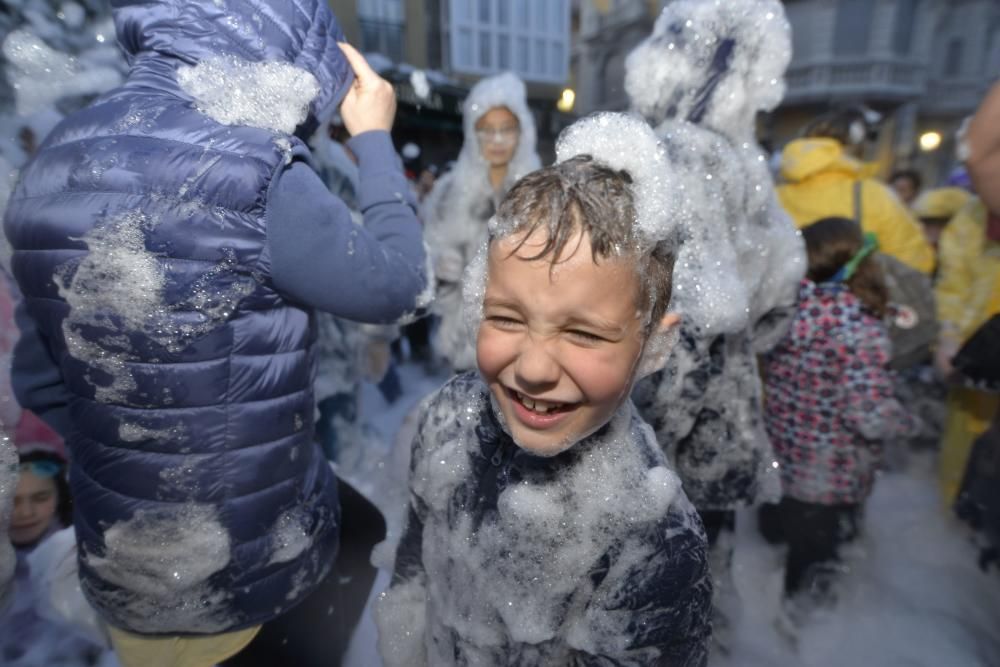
(303, 33)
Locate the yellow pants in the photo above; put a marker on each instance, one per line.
(181, 651)
(970, 413)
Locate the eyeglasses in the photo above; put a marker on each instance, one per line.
(42, 468)
(500, 135)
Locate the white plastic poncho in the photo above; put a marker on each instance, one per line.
(701, 78)
(459, 207)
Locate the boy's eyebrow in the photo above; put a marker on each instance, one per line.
(493, 302)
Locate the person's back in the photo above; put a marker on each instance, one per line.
(830, 404)
(148, 241)
(822, 181)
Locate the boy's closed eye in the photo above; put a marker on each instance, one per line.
(504, 321)
(587, 337)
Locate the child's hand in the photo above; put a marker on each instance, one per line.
(370, 104)
(946, 350)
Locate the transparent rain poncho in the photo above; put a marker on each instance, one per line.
(457, 210)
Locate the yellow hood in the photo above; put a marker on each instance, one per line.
(804, 158)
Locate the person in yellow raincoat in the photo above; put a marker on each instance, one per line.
(968, 294)
(968, 291)
(821, 180)
(935, 208)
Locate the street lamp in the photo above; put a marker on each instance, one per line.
(566, 100)
(930, 141)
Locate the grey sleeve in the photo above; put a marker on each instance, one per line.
(35, 377)
(320, 258)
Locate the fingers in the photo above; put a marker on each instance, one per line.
(362, 70)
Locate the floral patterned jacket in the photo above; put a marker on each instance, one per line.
(830, 398)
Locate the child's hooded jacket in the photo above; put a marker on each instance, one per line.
(830, 398)
(591, 557)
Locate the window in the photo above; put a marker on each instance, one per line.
(850, 33)
(381, 23)
(906, 23)
(953, 58)
(529, 36)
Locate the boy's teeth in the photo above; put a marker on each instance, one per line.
(538, 406)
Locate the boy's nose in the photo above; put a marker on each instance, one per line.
(536, 368)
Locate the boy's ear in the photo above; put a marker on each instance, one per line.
(659, 345)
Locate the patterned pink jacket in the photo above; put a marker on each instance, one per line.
(830, 398)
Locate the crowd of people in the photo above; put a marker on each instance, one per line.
(209, 260)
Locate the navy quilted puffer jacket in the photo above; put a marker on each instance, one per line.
(140, 241)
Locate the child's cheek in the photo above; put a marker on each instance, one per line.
(602, 374)
(490, 352)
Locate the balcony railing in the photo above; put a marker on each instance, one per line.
(954, 96)
(872, 79)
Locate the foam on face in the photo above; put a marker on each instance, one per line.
(270, 95)
(162, 561)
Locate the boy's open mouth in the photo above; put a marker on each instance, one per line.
(540, 407)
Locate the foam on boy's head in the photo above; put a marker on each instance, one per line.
(559, 204)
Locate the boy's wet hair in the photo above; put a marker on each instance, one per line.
(830, 244)
(580, 194)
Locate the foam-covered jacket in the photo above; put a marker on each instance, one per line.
(830, 398)
(458, 208)
(591, 557)
(147, 238)
(701, 78)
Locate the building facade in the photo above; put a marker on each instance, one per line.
(461, 41)
(924, 64)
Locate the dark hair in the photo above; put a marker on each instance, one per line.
(583, 195)
(910, 174)
(830, 244)
(837, 125)
(64, 504)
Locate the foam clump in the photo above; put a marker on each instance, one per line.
(495, 580)
(269, 95)
(290, 536)
(421, 86)
(712, 62)
(162, 561)
(8, 486)
(116, 291)
(626, 143)
(41, 75)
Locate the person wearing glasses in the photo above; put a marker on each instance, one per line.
(499, 148)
